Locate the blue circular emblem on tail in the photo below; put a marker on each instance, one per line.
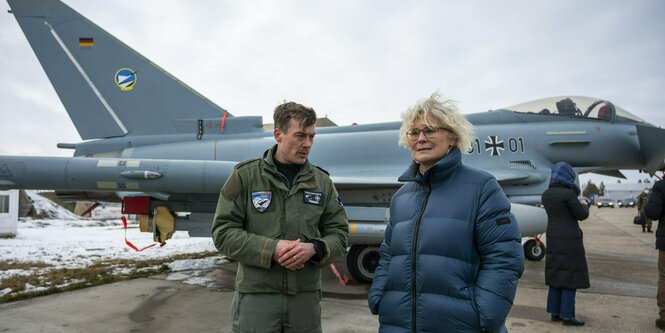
(125, 78)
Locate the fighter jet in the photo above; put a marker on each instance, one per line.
(165, 151)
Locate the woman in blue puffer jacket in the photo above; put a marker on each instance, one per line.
(452, 253)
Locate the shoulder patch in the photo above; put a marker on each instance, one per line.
(339, 200)
(503, 220)
(233, 187)
(245, 162)
(322, 169)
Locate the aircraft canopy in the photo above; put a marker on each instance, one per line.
(577, 106)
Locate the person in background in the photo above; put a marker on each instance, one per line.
(452, 255)
(565, 263)
(641, 202)
(281, 218)
(654, 209)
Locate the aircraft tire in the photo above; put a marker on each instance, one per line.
(362, 261)
(534, 252)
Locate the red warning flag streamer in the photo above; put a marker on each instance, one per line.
(221, 130)
(223, 121)
(124, 222)
(339, 277)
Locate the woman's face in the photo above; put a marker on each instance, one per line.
(428, 149)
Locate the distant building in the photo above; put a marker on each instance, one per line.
(8, 213)
(106, 211)
(620, 191)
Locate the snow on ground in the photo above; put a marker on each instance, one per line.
(55, 242)
(70, 241)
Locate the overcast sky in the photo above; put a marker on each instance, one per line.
(358, 61)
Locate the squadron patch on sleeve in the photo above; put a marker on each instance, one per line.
(261, 200)
(313, 197)
(339, 200)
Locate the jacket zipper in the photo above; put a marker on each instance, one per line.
(414, 291)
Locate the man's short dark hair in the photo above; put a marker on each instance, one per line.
(284, 112)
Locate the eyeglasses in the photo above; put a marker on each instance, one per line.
(429, 132)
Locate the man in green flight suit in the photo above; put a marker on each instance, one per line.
(282, 220)
(641, 202)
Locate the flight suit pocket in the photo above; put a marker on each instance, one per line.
(310, 214)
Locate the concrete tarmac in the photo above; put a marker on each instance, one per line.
(622, 265)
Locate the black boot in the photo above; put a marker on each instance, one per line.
(660, 324)
(573, 322)
(643, 228)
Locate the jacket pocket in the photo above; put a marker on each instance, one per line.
(377, 304)
(309, 216)
(472, 301)
(264, 224)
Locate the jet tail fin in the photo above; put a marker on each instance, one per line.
(107, 88)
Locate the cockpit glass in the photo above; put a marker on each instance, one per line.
(578, 107)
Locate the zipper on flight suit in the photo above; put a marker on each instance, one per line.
(285, 285)
(285, 196)
(414, 290)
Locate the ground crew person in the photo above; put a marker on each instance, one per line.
(281, 219)
(641, 202)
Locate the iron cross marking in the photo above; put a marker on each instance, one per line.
(4, 171)
(494, 145)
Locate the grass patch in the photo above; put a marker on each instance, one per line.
(54, 280)
(53, 197)
(11, 264)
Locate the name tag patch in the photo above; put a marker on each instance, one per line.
(261, 200)
(502, 221)
(314, 198)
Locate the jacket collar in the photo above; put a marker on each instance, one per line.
(270, 162)
(269, 166)
(438, 172)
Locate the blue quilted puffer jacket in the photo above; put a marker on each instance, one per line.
(452, 253)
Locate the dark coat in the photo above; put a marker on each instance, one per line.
(654, 210)
(565, 265)
(451, 256)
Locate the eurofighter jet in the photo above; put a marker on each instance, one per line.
(165, 151)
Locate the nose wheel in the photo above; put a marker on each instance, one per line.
(534, 249)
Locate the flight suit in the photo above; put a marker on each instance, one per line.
(641, 202)
(256, 208)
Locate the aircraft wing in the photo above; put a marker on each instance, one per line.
(501, 175)
(343, 181)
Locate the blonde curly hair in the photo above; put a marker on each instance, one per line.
(446, 113)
